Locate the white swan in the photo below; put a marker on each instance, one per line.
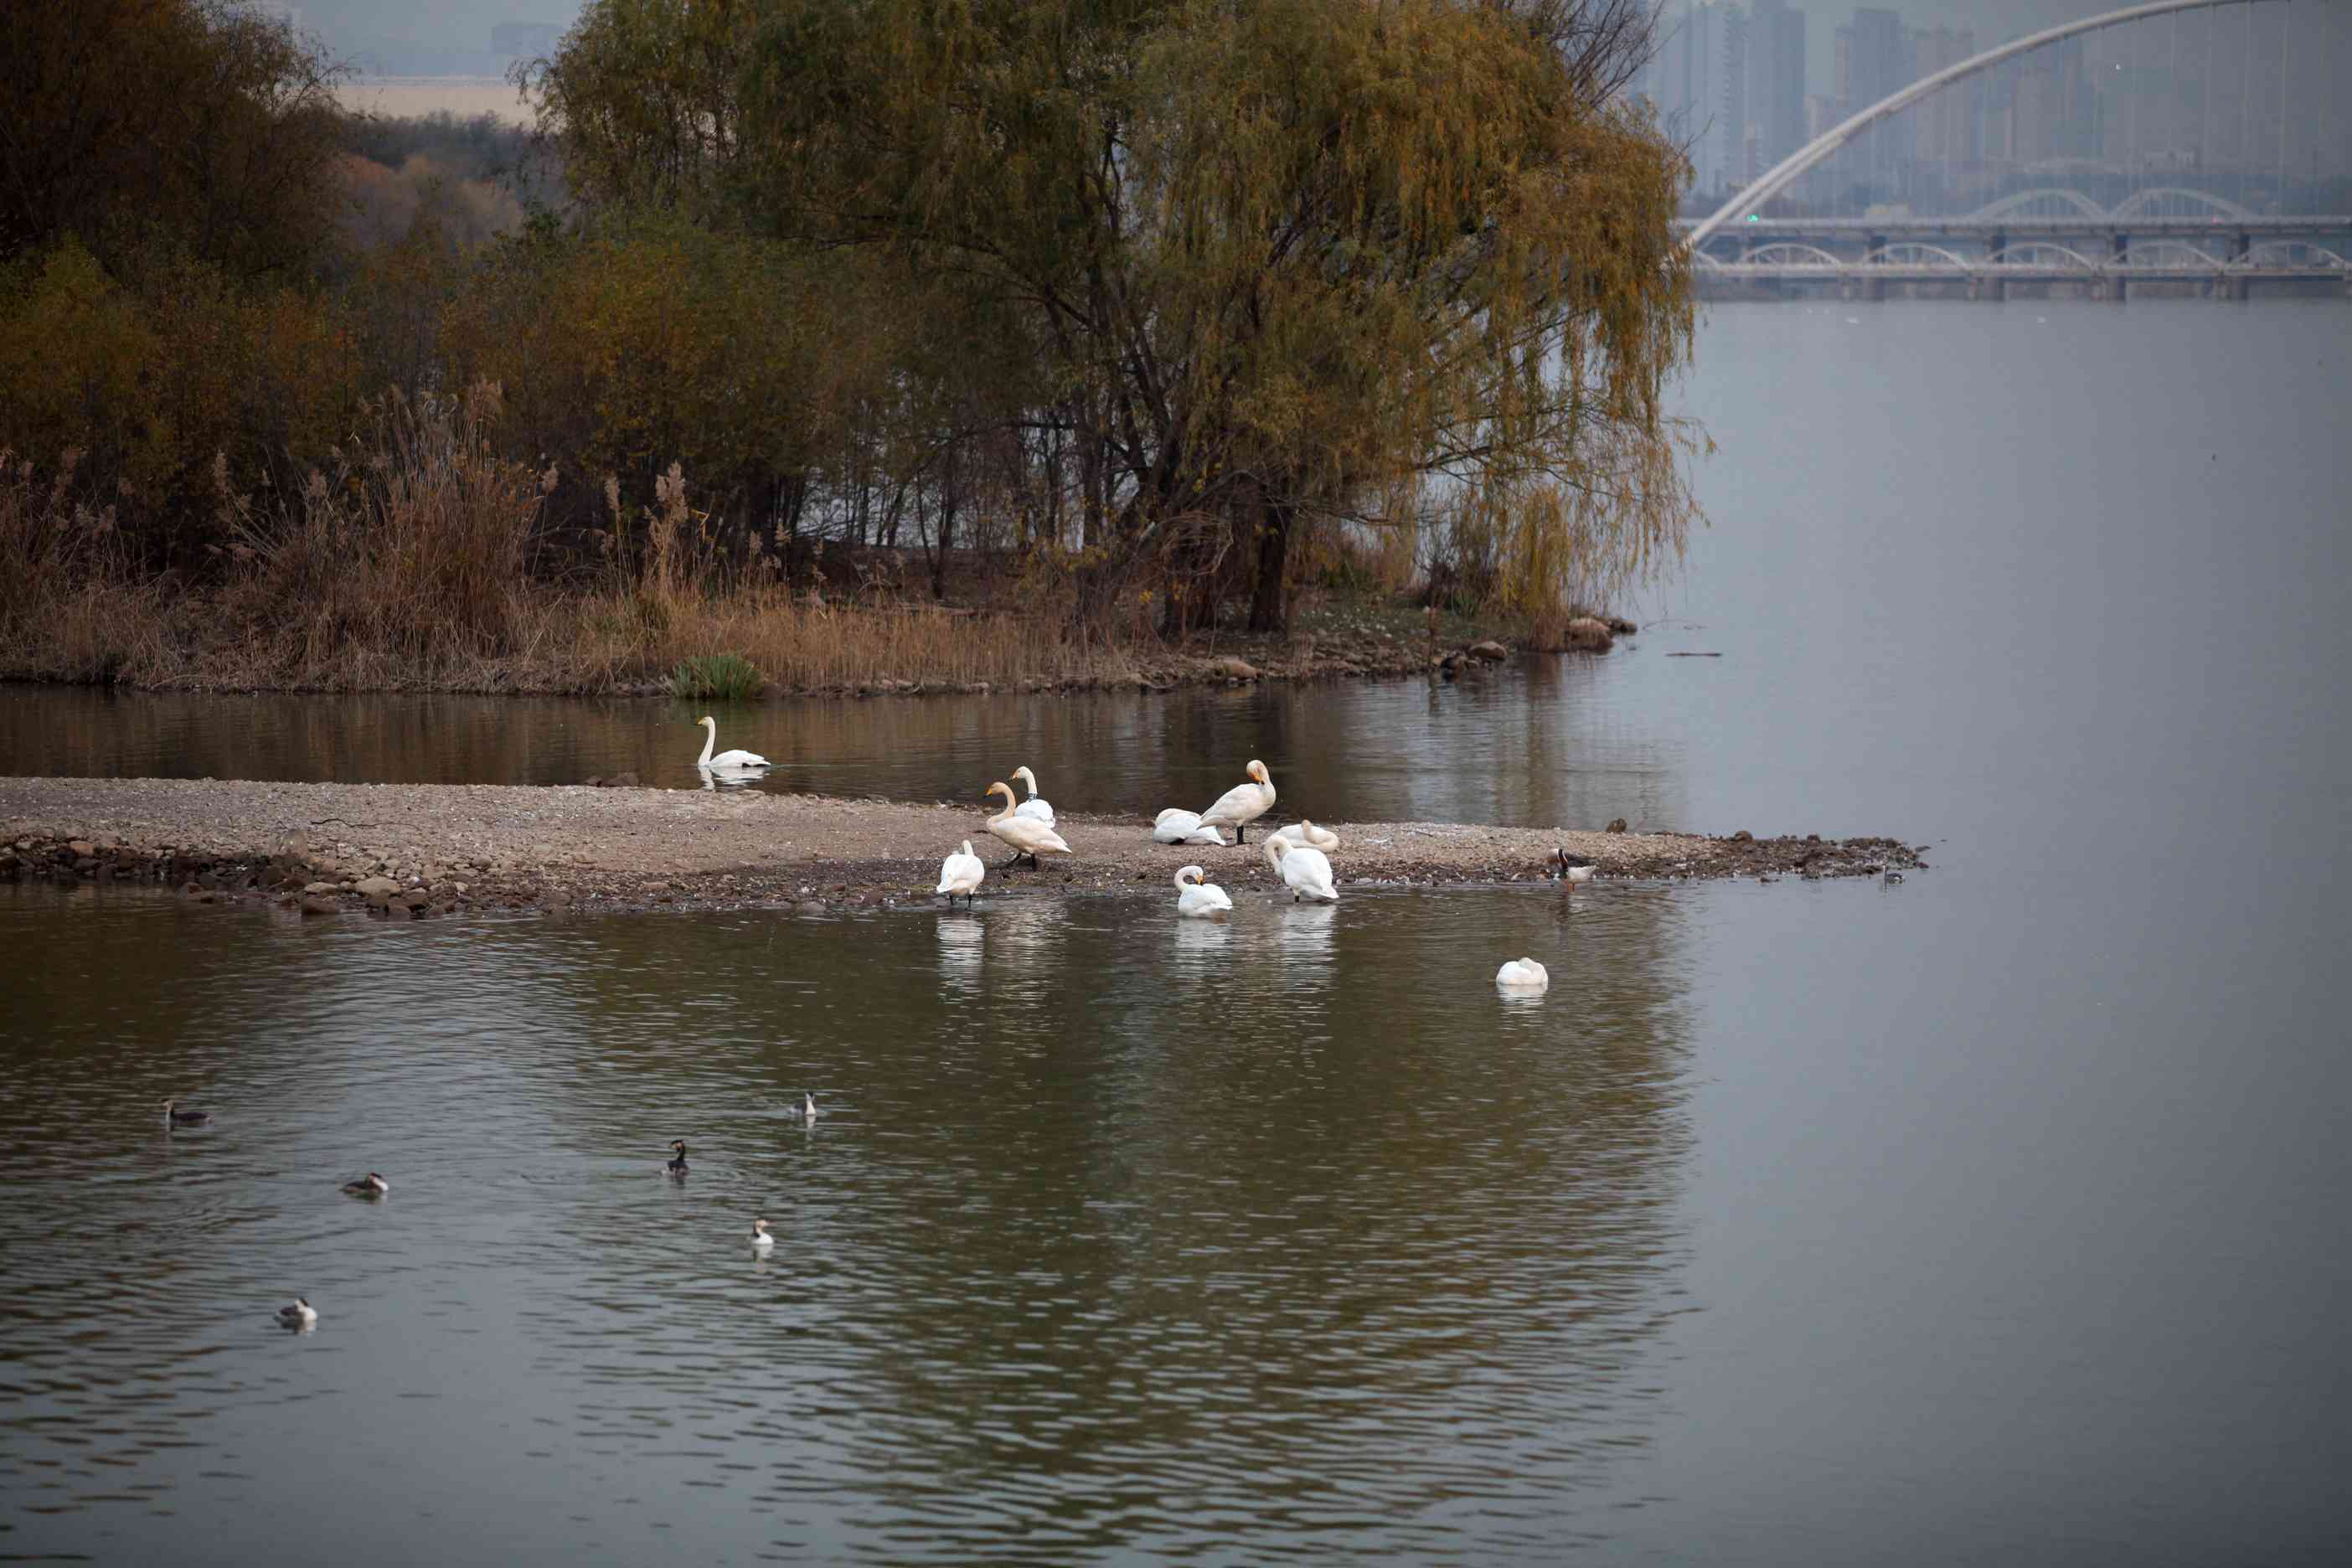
(1523, 975)
(724, 758)
(1243, 803)
(760, 1239)
(300, 1315)
(961, 873)
(1305, 871)
(1318, 837)
(1177, 826)
(1194, 897)
(1026, 835)
(1036, 808)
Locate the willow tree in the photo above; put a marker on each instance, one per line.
(1287, 261)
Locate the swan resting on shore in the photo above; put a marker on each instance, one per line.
(1243, 803)
(1036, 808)
(725, 758)
(1318, 837)
(1177, 826)
(960, 874)
(1026, 835)
(1305, 870)
(1523, 975)
(1194, 897)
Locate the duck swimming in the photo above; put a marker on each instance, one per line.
(179, 1118)
(300, 1315)
(760, 1239)
(368, 1186)
(808, 1106)
(676, 1165)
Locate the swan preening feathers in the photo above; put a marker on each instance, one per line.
(1523, 975)
(1305, 870)
(1026, 835)
(1243, 803)
(960, 874)
(1037, 807)
(1177, 826)
(725, 758)
(1194, 897)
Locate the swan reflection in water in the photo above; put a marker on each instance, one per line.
(1303, 932)
(962, 940)
(1201, 947)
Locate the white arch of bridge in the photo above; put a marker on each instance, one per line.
(1790, 251)
(2009, 255)
(2139, 202)
(2012, 205)
(1777, 177)
(2160, 253)
(2285, 248)
(1885, 256)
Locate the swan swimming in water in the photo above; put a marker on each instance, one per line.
(368, 1186)
(724, 758)
(1177, 826)
(1243, 803)
(299, 1315)
(1036, 808)
(760, 1239)
(1523, 975)
(1306, 871)
(178, 1118)
(675, 1166)
(1026, 835)
(960, 875)
(1194, 897)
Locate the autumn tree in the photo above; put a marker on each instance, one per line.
(197, 126)
(1287, 261)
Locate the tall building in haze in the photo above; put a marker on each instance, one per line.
(1776, 81)
(1702, 91)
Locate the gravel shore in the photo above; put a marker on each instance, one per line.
(427, 849)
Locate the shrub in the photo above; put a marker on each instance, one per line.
(724, 676)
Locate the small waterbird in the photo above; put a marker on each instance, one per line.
(178, 1118)
(299, 1315)
(368, 1186)
(1572, 870)
(760, 1239)
(676, 1165)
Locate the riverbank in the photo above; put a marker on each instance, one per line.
(150, 636)
(437, 850)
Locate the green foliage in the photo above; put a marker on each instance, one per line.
(723, 676)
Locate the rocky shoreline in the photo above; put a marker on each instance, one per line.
(424, 851)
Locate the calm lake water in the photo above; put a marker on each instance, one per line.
(1994, 1216)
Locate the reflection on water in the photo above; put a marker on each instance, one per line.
(1119, 1230)
(1541, 743)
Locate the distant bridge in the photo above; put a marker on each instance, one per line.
(2052, 236)
(2055, 234)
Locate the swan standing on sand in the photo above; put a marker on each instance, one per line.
(1523, 975)
(1036, 808)
(1026, 835)
(1177, 826)
(1243, 803)
(1194, 897)
(961, 873)
(1305, 870)
(724, 758)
